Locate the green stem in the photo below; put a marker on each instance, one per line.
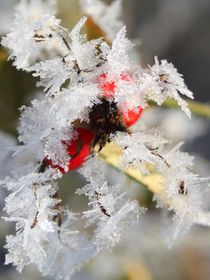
(197, 108)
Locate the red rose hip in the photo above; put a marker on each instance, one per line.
(78, 149)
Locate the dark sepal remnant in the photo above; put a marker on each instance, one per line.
(182, 188)
(105, 119)
(43, 166)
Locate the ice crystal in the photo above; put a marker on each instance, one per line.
(85, 53)
(182, 190)
(164, 82)
(109, 207)
(140, 148)
(68, 251)
(76, 76)
(53, 73)
(31, 216)
(32, 28)
(120, 47)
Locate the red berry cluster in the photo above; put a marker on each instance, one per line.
(81, 147)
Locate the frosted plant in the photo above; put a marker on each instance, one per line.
(110, 210)
(93, 94)
(32, 28)
(182, 191)
(48, 72)
(85, 53)
(164, 76)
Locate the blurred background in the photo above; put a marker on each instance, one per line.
(178, 31)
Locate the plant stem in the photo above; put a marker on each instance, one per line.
(197, 108)
(111, 153)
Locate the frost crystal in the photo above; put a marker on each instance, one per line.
(85, 53)
(31, 216)
(32, 28)
(182, 191)
(93, 87)
(68, 251)
(53, 73)
(109, 207)
(163, 81)
(120, 47)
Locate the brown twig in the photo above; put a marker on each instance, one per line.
(103, 210)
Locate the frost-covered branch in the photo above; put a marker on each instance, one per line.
(182, 191)
(94, 93)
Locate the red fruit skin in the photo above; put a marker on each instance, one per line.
(78, 149)
(131, 117)
(108, 88)
(125, 77)
(85, 138)
(48, 162)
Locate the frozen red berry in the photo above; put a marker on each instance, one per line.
(108, 88)
(78, 149)
(132, 116)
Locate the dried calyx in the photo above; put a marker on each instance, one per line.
(105, 119)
